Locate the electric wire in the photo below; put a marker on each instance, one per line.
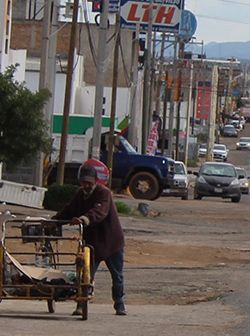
(90, 38)
(127, 77)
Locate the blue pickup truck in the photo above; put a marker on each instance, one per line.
(145, 176)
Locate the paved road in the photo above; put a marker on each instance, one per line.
(207, 260)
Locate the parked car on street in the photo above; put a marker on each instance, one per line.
(244, 143)
(229, 131)
(180, 185)
(217, 179)
(202, 151)
(220, 152)
(243, 178)
(237, 124)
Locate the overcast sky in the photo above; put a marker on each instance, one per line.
(221, 20)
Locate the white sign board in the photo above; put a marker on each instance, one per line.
(166, 15)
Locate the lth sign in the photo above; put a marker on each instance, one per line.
(166, 15)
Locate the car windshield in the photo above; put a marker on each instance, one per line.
(203, 146)
(219, 147)
(218, 170)
(179, 169)
(244, 139)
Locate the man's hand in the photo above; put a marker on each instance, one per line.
(80, 220)
(75, 221)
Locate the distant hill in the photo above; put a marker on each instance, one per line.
(224, 50)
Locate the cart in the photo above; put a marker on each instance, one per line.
(45, 259)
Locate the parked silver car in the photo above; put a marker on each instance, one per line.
(244, 143)
(220, 152)
(243, 178)
(180, 185)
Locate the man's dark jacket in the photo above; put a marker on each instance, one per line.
(104, 231)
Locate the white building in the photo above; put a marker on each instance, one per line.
(8, 56)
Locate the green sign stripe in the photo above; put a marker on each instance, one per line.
(78, 124)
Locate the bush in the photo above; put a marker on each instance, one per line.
(57, 196)
(122, 208)
(192, 163)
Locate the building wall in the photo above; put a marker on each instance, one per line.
(27, 35)
(5, 32)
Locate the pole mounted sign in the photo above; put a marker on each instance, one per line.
(166, 14)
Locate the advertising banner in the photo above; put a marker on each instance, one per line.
(203, 107)
(166, 15)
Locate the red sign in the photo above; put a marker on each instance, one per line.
(139, 12)
(165, 16)
(204, 91)
(152, 139)
(102, 170)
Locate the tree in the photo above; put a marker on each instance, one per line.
(23, 128)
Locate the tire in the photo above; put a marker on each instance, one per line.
(51, 306)
(197, 196)
(144, 185)
(184, 197)
(84, 304)
(235, 199)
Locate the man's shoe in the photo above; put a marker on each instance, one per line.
(121, 312)
(77, 312)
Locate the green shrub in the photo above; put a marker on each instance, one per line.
(192, 163)
(122, 208)
(57, 196)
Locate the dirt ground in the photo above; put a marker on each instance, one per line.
(191, 259)
(176, 254)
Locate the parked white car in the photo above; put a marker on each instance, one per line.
(202, 151)
(180, 187)
(220, 152)
(244, 143)
(244, 180)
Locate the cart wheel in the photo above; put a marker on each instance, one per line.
(85, 303)
(51, 306)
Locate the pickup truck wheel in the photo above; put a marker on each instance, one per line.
(144, 185)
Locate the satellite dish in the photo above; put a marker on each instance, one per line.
(188, 25)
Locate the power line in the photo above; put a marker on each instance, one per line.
(236, 2)
(221, 19)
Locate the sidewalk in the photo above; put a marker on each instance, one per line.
(23, 318)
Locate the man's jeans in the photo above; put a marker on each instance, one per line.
(115, 266)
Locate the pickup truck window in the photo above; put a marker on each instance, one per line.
(179, 169)
(128, 147)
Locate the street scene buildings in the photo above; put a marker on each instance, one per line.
(188, 92)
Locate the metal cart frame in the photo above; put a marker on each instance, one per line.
(43, 233)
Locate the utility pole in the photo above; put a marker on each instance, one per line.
(146, 91)
(159, 81)
(67, 98)
(164, 117)
(113, 100)
(52, 61)
(211, 125)
(189, 110)
(133, 90)
(43, 81)
(101, 58)
(172, 104)
(179, 96)
(151, 83)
